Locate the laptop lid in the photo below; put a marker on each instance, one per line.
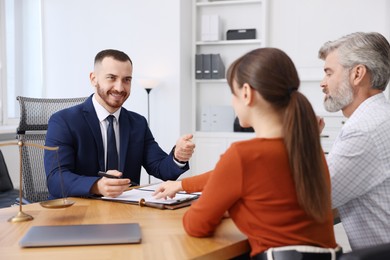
(71, 235)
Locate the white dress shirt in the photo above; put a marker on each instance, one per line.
(102, 114)
(359, 165)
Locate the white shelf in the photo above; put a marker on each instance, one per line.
(208, 92)
(229, 42)
(208, 81)
(210, 146)
(229, 2)
(214, 93)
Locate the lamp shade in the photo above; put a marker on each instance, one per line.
(148, 83)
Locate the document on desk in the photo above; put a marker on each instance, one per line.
(143, 196)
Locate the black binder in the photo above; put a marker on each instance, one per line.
(217, 67)
(198, 66)
(238, 128)
(206, 66)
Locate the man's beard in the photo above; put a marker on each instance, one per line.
(342, 97)
(105, 96)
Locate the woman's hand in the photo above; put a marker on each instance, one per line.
(168, 189)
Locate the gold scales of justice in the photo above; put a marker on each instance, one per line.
(53, 204)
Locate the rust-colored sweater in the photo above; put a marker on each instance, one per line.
(253, 182)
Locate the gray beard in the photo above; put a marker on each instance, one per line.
(341, 98)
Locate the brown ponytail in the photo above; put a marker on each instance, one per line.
(273, 74)
(301, 135)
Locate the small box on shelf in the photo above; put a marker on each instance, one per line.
(241, 34)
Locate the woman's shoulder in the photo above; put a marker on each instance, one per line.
(258, 146)
(258, 141)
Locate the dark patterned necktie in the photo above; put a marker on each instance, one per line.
(112, 153)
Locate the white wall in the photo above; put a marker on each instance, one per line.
(74, 31)
(156, 35)
(300, 28)
(149, 31)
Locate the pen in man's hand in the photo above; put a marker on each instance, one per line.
(103, 174)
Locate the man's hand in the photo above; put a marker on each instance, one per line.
(110, 187)
(184, 148)
(321, 123)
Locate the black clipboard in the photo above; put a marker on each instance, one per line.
(142, 196)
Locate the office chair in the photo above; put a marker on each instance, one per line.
(8, 194)
(34, 118)
(380, 252)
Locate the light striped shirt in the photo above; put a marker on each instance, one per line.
(359, 164)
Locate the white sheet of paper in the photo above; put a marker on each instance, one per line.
(154, 186)
(135, 195)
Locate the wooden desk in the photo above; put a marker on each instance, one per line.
(163, 236)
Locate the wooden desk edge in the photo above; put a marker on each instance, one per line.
(13, 232)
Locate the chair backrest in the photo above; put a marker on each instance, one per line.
(34, 117)
(8, 195)
(5, 179)
(380, 252)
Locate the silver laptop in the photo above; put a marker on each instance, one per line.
(71, 235)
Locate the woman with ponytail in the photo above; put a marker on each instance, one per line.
(276, 186)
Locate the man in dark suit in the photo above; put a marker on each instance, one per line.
(84, 144)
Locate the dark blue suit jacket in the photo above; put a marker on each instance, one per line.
(76, 131)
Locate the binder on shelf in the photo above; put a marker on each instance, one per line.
(198, 66)
(209, 66)
(217, 67)
(211, 28)
(206, 66)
